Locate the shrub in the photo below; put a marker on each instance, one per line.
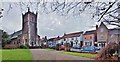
(57, 46)
(24, 47)
(107, 52)
(10, 46)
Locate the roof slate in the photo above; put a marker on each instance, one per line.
(15, 34)
(90, 32)
(77, 34)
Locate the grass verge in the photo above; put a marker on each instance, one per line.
(49, 49)
(86, 55)
(16, 54)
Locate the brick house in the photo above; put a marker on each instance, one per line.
(114, 35)
(102, 35)
(89, 38)
(74, 39)
(105, 35)
(44, 42)
(52, 42)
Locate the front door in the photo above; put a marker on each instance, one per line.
(81, 43)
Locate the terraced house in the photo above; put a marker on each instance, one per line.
(102, 35)
(75, 39)
(52, 42)
(114, 35)
(89, 38)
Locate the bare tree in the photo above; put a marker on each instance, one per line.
(1, 10)
(103, 11)
(100, 10)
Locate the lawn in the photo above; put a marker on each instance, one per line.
(86, 55)
(16, 54)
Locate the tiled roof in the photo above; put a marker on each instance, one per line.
(15, 34)
(103, 25)
(54, 39)
(114, 31)
(90, 32)
(51, 39)
(77, 34)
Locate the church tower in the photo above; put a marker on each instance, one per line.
(29, 28)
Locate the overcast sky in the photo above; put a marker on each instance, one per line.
(50, 25)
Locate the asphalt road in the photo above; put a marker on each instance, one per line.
(42, 54)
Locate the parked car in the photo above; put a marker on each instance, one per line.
(75, 49)
(60, 47)
(88, 49)
(98, 48)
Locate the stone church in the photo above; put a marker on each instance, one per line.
(28, 34)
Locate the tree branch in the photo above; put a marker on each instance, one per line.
(107, 10)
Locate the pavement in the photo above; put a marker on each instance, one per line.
(43, 54)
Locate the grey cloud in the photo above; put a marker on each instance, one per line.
(48, 24)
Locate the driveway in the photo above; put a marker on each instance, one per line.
(43, 54)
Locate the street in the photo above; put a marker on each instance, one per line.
(42, 54)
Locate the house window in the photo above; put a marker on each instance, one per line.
(85, 37)
(101, 36)
(101, 30)
(76, 43)
(90, 37)
(112, 36)
(71, 43)
(25, 40)
(103, 44)
(76, 38)
(72, 38)
(61, 43)
(64, 39)
(87, 43)
(90, 43)
(67, 39)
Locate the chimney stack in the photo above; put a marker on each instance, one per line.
(58, 37)
(96, 27)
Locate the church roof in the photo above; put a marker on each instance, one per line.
(15, 34)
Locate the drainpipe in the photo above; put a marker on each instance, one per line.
(118, 47)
